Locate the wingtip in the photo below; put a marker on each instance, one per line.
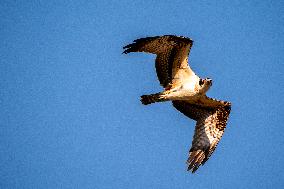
(127, 49)
(195, 160)
(133, 47)
(124, 52)
(193, 168)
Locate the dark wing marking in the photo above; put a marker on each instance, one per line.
(211, 102)
(167, 49)
(157, 44)
(163, 65)
(210, 126)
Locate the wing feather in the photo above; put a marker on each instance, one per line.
(210, 126)
(172, 54)
(162, 67)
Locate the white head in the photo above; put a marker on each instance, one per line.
(205, 84)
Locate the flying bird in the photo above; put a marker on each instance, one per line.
(187, 92)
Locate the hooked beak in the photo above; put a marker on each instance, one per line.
(210, 81)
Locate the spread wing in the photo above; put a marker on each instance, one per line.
(172, 56)
(210, 126)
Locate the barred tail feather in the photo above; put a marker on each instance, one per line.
(152, 98)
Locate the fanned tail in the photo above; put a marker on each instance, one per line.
(152, 98)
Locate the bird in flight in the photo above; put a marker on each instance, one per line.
(187, 92)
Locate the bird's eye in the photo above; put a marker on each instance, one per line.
(201, 81)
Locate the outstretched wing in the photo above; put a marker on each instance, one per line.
(172, 55)
(210, 126)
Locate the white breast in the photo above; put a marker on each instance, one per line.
(190, 83)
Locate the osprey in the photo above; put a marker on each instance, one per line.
(187, 92)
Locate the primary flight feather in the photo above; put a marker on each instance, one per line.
(186, 91)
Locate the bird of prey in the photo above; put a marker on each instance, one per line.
(187, 92)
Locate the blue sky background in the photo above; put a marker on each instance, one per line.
(70, 111)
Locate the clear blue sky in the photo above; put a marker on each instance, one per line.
(70, 111)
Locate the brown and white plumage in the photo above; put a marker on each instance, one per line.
(210, 125)
(186, 91)
(172, 55)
